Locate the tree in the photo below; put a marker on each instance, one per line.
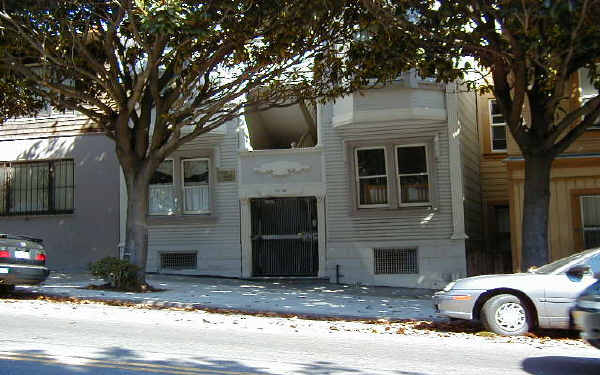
(154, 74)
(531, 49)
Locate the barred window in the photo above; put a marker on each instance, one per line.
(37, 187)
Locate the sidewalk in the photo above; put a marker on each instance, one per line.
(298, 297)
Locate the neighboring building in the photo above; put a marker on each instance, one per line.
(574, 222)
(379, 189)
(59, 181)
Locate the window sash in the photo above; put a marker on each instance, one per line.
(196, 197)
(372, 192)
(37, 187)
(419, 189)
(494, 140)
(162, 198)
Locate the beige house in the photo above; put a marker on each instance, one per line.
(574, 222)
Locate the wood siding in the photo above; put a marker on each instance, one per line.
(566, 183)
(467, 110)
(216, 242)
(45, 127)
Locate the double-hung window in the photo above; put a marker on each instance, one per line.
(37, 187)
(413, 174)
(392, 176)
(498, 127)
(371, 169)
(181, 186)
(590, 218)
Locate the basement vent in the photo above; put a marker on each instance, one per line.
(178, 261)
(395, 261)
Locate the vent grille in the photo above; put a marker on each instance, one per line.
(396, 261)
(178, 261)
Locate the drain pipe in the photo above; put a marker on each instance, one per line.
(337, 273)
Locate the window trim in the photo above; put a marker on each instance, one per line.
(577, 215)
(182, 161)
(581, 208)
(393, 204)
(399, 185)
(51, 188)
(357, 177)
(492, 125)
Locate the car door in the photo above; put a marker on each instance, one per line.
(561, 291)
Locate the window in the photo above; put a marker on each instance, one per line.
(195, 186)
(498, 128)
(413, 178)
(395, 261)
(371, 176)
(37, 187)
(184, 189)
(392, 175)
(590, 219)
(162, 190)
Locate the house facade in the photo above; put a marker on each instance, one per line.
(380, 188)
(59, 181)
(574, 219)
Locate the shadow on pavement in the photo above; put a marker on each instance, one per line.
(562, 365)
(117, 360)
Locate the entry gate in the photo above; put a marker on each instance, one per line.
(284, 237)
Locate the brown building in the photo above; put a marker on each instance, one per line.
(574, 222)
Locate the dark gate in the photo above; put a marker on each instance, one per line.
(284, 237)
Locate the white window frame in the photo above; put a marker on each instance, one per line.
(581, 209)
(398, 176)
(492, 125)
(358, 177)
(174, 185)
(183, 160)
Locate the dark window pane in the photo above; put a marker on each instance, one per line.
(498, 119)
(414, 189)
(412, 160)
(373, 190)
(371, 162)
(499, 137)
(163, 174)
(195, 172)
(494, 108)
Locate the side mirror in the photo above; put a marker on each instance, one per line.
(578, 271)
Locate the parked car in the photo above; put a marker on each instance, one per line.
(586, 313)
(513, 304)
(22, 261)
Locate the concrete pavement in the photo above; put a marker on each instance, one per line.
(314, 298)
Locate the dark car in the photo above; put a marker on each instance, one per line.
(22, 261)
(586, 314)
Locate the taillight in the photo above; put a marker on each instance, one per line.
(41, 257)
(4, 254)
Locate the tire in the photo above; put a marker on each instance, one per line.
(506, 315)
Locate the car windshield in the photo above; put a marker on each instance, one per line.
(557, 264)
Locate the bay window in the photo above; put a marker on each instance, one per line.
(391, 175)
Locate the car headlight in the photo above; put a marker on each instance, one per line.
(449, 286)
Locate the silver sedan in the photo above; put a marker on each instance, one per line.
(512, 304)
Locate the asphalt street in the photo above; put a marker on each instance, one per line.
(51, 338)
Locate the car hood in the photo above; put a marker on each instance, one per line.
(515, 280)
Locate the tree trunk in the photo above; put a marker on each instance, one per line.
(534, 248)
(136, 235)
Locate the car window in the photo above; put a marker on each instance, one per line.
(594, 263)
(551, 267)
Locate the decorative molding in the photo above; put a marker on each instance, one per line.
(282, 168)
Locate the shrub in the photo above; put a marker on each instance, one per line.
(119, 273)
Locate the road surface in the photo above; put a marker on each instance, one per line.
(38, 337)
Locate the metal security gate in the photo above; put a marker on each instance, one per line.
(284, 237)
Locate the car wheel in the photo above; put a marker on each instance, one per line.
(4, 289)
(506, 314)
